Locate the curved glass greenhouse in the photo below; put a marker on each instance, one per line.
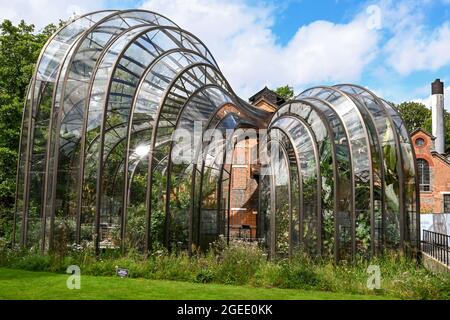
(113, 94)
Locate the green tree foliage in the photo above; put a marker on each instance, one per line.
(447, 128)
(286, 92)
(20, 46)
(417, 115)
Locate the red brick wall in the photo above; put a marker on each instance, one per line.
(244, 191)
(432, 201)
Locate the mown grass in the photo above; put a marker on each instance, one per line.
(247, 265)
(26, 285)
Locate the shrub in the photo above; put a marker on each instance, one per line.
(173, 267)
(32, 262)
(242, 263)
(268, 276)
(239, 262)
(205, 276)
(297, 275)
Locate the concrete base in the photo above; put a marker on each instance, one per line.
(434, 265)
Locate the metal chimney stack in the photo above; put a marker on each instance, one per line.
(437, 112)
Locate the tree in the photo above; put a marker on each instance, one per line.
(286, 92)
(416, 115)
(446, 128)
(20, 47)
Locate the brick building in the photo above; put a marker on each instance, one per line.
(434, 174)
(244, 197)
(433, 161)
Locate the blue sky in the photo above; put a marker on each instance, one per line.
(395, 48)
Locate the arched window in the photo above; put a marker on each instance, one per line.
(424, 175)
(420, 142)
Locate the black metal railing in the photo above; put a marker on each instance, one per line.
(436, 245)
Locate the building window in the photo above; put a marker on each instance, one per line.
(446, 203)
(424, 175)
(420, 142)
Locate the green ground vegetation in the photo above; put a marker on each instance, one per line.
(26, 285)
(247, 265)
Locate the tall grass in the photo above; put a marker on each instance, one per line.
(247, 264)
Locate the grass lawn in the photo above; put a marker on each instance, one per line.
(24, 285)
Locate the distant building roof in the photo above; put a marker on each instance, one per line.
(423, 131)
(269, 96)
(444, 157)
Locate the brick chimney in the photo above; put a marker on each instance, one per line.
(437, 111)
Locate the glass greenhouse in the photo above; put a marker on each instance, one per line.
(112, 91)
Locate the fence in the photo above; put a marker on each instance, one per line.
(436, 245)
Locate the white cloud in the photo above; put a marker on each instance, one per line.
(240, 38)
(419, 50)
(412, 45)
(427, 101)
(43, 12)
(323, 51)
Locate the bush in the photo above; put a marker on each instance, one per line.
(33, 262)
(245, 264)
(173, 267)
(4, 245)
(267, 276)
(205, 276)
(298, 276)
(239, 262)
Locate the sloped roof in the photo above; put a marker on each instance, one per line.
(270, 96)
(442, 157)
(423, 131)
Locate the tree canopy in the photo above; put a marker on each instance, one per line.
(418, 116)
(20, 46)
(286, 92)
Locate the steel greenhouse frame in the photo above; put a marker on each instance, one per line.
(111, 84)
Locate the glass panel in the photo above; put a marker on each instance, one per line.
(424, 175)
(73, 86)
(290, 225)
(172, 112)
(313, 113)
(195, 114)
(21, 171)
(361, 156)
(306, 148)
(385, 202)
(47, 73)
(410, 217)
(446, 203)
(394, 229)
(264, 224)
(282, 203)
(93, 134)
